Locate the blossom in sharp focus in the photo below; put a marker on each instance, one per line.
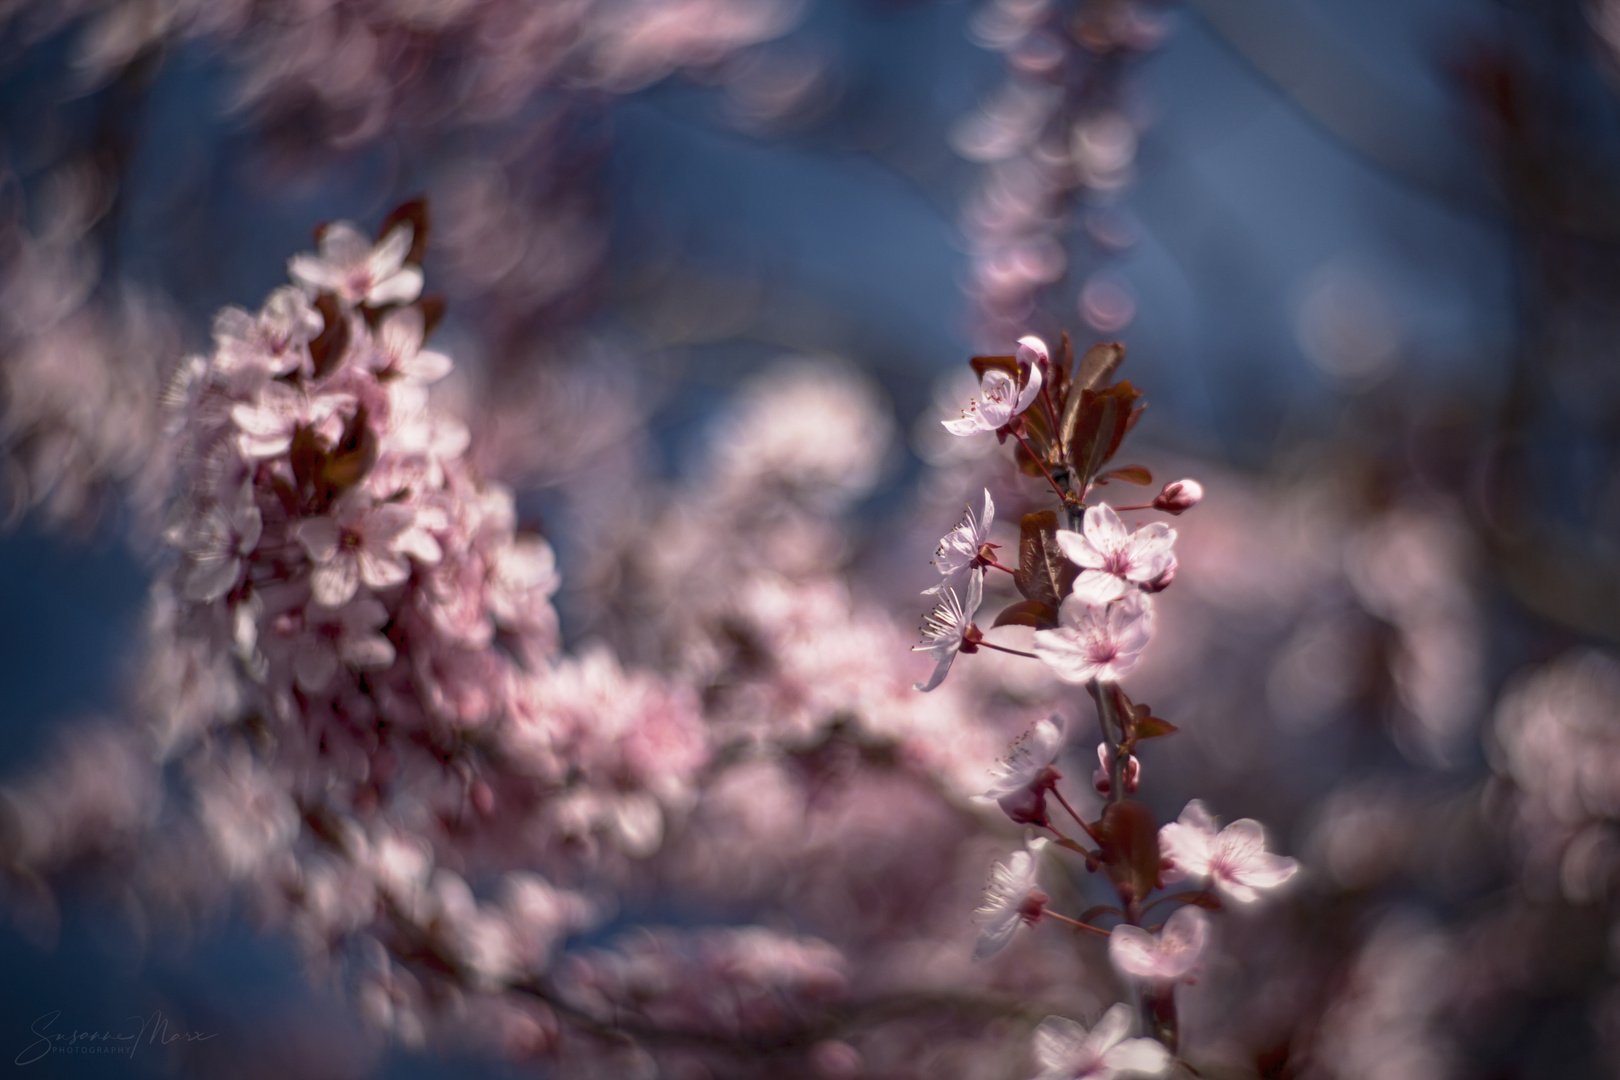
(357, 272)
(1001, 397)
(1163, 957)
(1112, 558)
(947, 626)
(1066, 1051)
(1019, 782)
(1179, 496)
(1011, 899)
(1234, 860)
(1100, 642)
(959, 548)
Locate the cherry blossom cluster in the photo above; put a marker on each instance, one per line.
(1088, 592)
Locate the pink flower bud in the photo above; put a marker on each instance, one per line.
(1100, 779)
(1179, 495)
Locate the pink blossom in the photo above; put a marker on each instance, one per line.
(1234, 859)
(363, 543)
(399, 352)
(216, 543)
(1000, 397)
(274, 342)
(1163, 957)
(1097, 642)
(349, 635)
(1011, 899)
(267, 423)
(1019, 782)
(1066, 1051)
(1112, 558)
(959, 548)
(946, 628)
(357, 272)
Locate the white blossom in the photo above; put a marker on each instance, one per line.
(1097, 642)
(1011, 899)
(1112, 558)
(959, 548)
(1001, 397)
(1163, 957)
(1066, 1051)
(1234, 859)
(947, 626)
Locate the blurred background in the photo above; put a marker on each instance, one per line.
(1364, 257)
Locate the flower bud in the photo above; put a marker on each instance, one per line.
(1179, 495)
(1100, 778)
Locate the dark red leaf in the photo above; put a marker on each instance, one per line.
(1131, 474)
(1044, 574)
(1028, 613)
(329, 345)
(1131, 847)
(982, 364)
(432, 306)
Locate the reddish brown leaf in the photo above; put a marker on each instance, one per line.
(1131, 847)
(982, 364)
(1105, 417)
(1028, 613)
(432, 307)
(1099, 364)
(1151, 727)
(1131, 474)
(329, 345)
(1044, 574)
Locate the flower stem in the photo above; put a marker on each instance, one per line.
(1003, 648)
(1076, 923)
(1063, 496)
(1078, 819)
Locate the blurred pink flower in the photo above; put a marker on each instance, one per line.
(1011, 899)
(1163, 957)
(357, 272)
(1112, 558)
(1097, 642)
(1066, 1051)
(1235, 859)
(1019, 782)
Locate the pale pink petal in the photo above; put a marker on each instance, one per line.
(1097, 587)
(1141, 1057)
(334, 582)
(320, 537)
(1032, 387)
(389, 254)
(382, 571)
(1058, 1042)
(400, 287)
(316, 273)
(370, 652)
(1111, 1029)
(210, 577)
(1078, 550)
(1104, 529)
(314, 665)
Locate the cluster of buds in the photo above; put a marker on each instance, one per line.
(1088, 593)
